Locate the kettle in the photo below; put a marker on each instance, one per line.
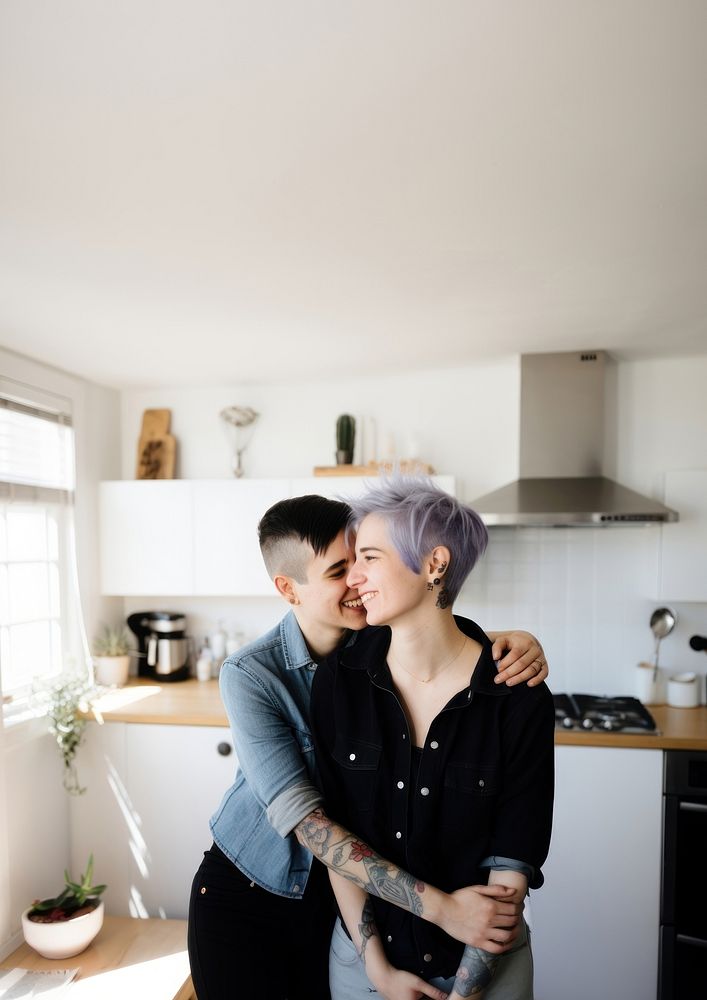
(163, 646)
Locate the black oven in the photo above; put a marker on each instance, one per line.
(683, 916)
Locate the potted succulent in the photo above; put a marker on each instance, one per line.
(111, 656)
(65, 925)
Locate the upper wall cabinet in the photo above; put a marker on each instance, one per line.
(146, 537)
(186, 538)
(227, 557)
(684, 565)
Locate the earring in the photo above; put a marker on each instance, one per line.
(436, 580)
(293, 600)
(429, 586)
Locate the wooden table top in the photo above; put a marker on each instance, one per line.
(129, 958)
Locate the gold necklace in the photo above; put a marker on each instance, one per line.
(441, 669)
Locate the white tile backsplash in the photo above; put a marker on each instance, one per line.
(588, 594)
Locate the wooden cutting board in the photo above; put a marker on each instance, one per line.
(157, 448)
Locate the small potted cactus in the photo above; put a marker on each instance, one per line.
(111, 656)
(66, 924)
(345, 436)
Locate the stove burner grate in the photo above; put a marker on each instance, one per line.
(604, 714)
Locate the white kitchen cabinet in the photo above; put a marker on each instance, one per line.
(146, 537)
(227, 556)
(332, 487)
(198, 537)
(345, 487)
(595, 922)
(684, 544)
(151, 790)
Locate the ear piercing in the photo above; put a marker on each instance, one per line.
(437, 580)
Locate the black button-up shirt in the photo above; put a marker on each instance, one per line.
(484, 785)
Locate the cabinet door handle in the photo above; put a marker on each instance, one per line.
(224, 749)
(694, 807)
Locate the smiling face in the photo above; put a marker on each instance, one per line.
(388, 590)
(327, 605)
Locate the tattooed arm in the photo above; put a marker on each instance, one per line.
(478, 967)
(485, 916)
(390, 983)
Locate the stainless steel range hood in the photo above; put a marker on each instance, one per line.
(563, 432)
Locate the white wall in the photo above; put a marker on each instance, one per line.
(465, 421)
(588, 593)
(34, 808)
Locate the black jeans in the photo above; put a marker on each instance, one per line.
(246, 942)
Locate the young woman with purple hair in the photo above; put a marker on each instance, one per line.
(433, 764)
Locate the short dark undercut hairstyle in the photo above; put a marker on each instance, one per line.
(292, 529)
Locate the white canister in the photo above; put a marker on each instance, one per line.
(204, 664)
(217, 642)
(682, 691)
(645, 686)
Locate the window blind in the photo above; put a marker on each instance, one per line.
(36, 447)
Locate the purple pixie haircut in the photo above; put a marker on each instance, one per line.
(419, 516)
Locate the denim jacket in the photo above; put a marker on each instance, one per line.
(266, 689)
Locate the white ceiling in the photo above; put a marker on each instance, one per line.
(213, 191)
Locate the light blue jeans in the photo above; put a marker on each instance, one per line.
(348, 981)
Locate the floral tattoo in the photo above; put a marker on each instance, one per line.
(342, 852)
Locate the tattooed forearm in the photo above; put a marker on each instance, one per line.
(314, 832)
(367, 928)
(356, 861)
(475, 972)
(394, 885)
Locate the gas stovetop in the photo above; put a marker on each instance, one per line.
(609, 715)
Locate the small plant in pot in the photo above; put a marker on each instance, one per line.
(66, 924)
(111, 656)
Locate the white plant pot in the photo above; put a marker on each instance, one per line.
(111, 670)
(65, 937)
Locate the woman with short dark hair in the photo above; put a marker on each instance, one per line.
(433, 764)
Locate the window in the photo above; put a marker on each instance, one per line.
(41, 634)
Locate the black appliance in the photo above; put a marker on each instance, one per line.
(163, 646)
(602, 714)
(683, 912)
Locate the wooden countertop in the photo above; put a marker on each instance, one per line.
(680, 729)
(129, 957)
(198, 703)
(176, 703)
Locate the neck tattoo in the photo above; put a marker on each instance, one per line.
(426, 680)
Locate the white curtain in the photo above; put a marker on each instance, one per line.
(5, 923)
